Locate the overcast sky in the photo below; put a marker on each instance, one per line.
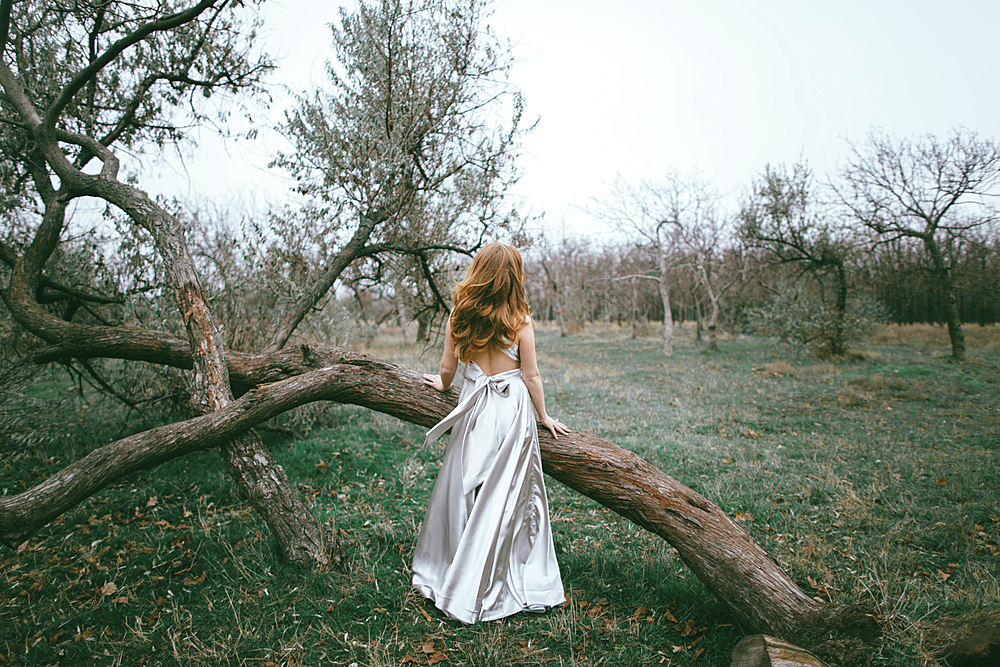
(720, 86)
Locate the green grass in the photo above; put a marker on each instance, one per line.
(870, 481)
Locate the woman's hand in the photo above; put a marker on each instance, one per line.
(435, 381)
(555, 426)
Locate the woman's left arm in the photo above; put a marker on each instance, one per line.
(533, 379)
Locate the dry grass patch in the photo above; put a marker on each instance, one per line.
(882, 385)
(926, 336)
(822, 371)
(778, 369)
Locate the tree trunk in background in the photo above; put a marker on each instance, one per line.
(423, 327)
(403, 321)
(557, 297)
(950, 302)
(668, 319)
(635, 308)
(668, 316)
(712, 324)
(699, 320)
(837, 345)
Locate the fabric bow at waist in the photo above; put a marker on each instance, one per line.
(499, 384)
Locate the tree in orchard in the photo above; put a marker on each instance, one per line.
(927, 189)
(403, 152)
(782, 217)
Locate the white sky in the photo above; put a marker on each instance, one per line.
(720, 86)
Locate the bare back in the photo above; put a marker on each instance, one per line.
(495, 361)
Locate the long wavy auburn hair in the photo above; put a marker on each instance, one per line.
(489, 305)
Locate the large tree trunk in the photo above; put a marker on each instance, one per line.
(723, 556)
(263, 481)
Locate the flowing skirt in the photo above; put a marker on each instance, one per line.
(485, 549)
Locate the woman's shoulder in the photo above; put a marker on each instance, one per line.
(526, 327)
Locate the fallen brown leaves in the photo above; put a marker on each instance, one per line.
(428, 655)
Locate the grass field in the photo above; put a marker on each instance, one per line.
(870, 480)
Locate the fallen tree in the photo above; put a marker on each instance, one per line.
(761, 596)
(392, 168)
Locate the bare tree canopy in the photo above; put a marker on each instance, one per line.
(783, 217)
(927, 189)
(662, 217)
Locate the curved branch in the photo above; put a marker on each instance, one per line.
(110, 169)
(9, 257)
(429, 276)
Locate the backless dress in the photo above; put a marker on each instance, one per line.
(485, 549)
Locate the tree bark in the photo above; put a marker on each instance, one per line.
(300, 536)
(723, 556)
(972, 641)
(950, 302)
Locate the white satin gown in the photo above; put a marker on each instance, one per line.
(485, 549)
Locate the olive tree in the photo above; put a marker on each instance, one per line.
(403, 151)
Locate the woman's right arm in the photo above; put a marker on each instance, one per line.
(449, 363)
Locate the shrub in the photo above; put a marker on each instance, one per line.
(797, 315)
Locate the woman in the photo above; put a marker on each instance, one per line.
(485, 548)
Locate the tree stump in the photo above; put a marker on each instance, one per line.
(764, 651)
